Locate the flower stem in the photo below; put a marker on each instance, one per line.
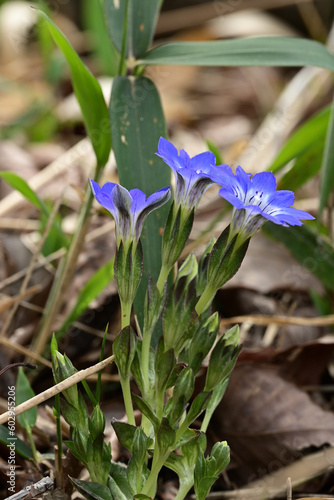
(183, 489)
(205, 300)
(125, 384)
(162, 278)
(145, 359)
(150, 486)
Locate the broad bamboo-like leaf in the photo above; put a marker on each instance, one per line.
(264, 51)
(141, 20)
(89, 95)
(137, 123)
(309, 248)
(327, 167)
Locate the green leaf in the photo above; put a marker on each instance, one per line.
(95, 20)
(142, 17)
(327, 168)
(89, 95)
(23, 393)
(125, 433)
(309, 248)
(312, 131)
(92, 288)
(147, 411)
(20, 446)
(264, 51)
(118, 482)
(137, 123)
(16, 182)
(124, 349)
(92, 491)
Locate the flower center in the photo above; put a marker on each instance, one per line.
(256, 199)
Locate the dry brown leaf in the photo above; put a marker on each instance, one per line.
(267, 420)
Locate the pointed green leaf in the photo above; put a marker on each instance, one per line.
(147, 411)
(327, 167)
(312, 131)
(124, 348)
(89, 95)
(16, 182)
(21, 448)
(142, 16)
(125, 433)
(95, 20)
(91, 490)
(23, 393)
(137, 123)
(264, 51)
(118, 482)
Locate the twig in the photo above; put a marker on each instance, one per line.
(14, 365)
(65, 384)
(30, 270)
(259, 319)
(34, 490)
(6, 301)
(26, 352)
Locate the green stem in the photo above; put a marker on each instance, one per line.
(150, 486)
(183, 489)
(125, 384)
(206, 421)
(124, 39)
(145, 359)
(32, 444)
(162, 278)
(205, 300)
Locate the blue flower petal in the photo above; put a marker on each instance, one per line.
(103, 195)
(129, 208)
(264, 182)
(203, 163)
(255, 201)
(192, 175)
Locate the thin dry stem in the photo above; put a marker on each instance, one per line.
(26, 352)
(30, 269)
(65, 384)
(259, 319)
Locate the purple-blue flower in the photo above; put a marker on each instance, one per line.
(129, 208)
(256, 200)
(192, 175)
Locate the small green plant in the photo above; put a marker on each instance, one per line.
(176, 328)
(165, 376)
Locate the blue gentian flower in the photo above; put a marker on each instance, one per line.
(129, 208)
(192, 175)
(256, 200)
